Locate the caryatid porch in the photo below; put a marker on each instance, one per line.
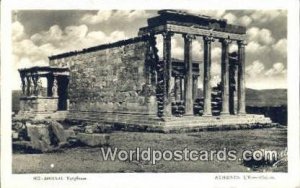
(35, 97)
(209, 30)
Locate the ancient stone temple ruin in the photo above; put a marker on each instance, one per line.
(126, 83)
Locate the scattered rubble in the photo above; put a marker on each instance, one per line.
(93, 139)
(35, 136)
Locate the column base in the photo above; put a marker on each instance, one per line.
(189, 114)
(225, 114)
(206, 115)
(167, 111)
(242, 114)
(167, 115)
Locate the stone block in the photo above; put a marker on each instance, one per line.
(69, 133)
(39, 132)
(103, 128)
(76, 129)
(93, 139)
(58, 131)
(40, 145)
(89, 129)
(15, 135)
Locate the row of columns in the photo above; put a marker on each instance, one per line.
(32, 86)
(178, 87)
(189, 81)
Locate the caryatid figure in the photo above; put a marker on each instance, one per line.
(54, 88)
(39, 88)
(23, 86)
(32, 88)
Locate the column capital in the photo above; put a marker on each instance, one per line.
(189, 37)
(225, 41)
(195, 76)
(167, 34)
(208, 38)
(242, 43)
(176, 75)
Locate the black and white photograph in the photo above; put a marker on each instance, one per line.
(150, 91)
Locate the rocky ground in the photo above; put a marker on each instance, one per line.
(87, 159)
(40, 136)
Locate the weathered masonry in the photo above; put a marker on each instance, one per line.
(126, 83)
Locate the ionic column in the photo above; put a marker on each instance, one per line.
(236, 89)
(232, 87)
(188, 86)
(168, 72)
(225, 76)
(241, 78)
(206, 80)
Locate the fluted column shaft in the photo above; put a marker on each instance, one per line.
(168, 72)
(241, 78)
(207, 76)
(188, 86)
(225, 76)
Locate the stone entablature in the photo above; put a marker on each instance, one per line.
(195, 20)
(186, 23)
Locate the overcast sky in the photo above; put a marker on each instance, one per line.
(39, 34)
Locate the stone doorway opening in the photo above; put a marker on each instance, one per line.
(63, 82)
